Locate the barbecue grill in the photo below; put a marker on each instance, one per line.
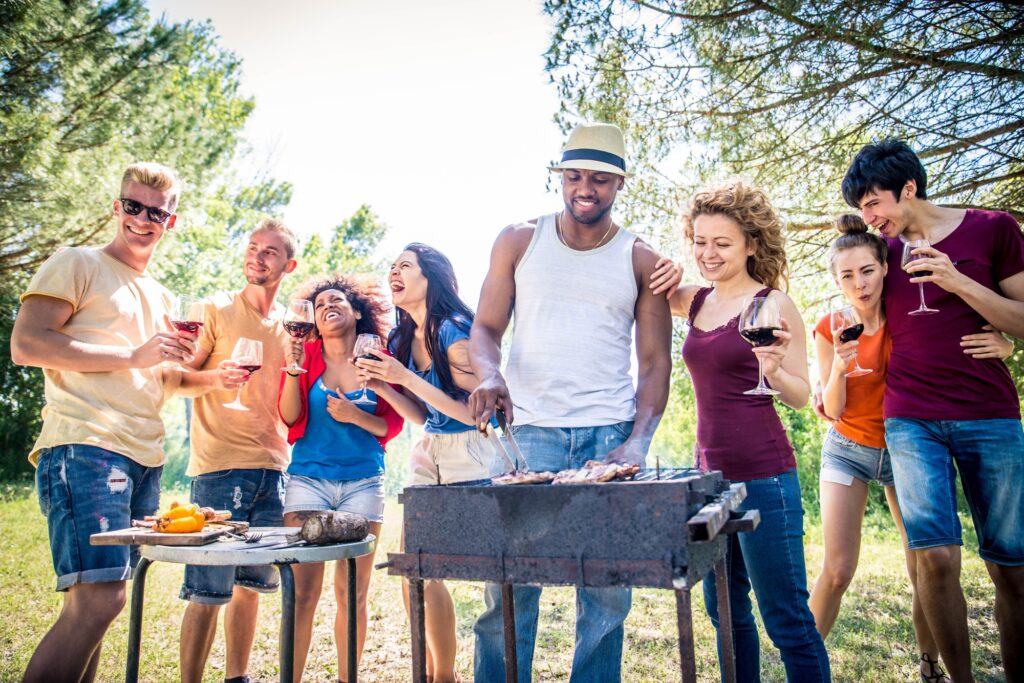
(666, 528)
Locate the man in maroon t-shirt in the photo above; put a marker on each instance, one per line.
(942, 407)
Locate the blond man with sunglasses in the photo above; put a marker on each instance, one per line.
(96, 322)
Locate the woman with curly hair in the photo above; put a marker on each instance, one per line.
(738, 246)
(338, 445)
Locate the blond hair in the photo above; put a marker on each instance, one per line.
(291, 244)
(157, 176)
(750, 207)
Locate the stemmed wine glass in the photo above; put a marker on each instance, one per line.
(908, 258)
(248, 355)
(187, 314)
(365, 346)
(758, 321)
(846, 326)
(298, 322)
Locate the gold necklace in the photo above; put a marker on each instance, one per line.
(561, 238)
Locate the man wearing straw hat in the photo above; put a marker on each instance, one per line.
(577, 283)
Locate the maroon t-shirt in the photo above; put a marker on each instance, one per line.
(930, 376)
(738, 434)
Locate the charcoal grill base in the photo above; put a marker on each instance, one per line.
(658, 534)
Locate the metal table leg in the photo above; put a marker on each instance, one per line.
(419, 636)
(725, 622)
(352, 621)
(508, 615)
(287, 654)
(687, 661)
(135, 622)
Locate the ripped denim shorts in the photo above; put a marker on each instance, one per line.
(84, 490)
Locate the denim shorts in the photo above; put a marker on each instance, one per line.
(843, 460)
(359, 496)
(989, 454)
(253, 496)
(84, 490)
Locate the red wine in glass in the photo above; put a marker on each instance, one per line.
(851, 333)
(190, 326)
(760, 336)
(759, 318)
(298, 322)
(908, 258)
(298, 329)
(365, 345)
(846, 326)
(247, 355)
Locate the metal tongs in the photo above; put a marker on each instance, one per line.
(516, 462)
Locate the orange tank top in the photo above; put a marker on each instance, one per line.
(861, 420)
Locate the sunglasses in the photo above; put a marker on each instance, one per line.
(134, 208)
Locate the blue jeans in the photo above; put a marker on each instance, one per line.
(600, 612)
(84, 490)
(253, 496)
(989, 454)
(771, 560)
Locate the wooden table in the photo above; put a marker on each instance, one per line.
(272, 549)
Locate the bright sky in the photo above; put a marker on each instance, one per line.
(437, 114)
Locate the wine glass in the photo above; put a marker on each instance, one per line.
(908, 258)
(846, 326)
(364, 347)
(248, 355)
(759, 319)
(187, 314)
(298, 322)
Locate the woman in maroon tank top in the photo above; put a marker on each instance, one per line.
(738, 246)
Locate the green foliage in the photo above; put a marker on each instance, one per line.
(349, 249)
(85, 89)
(785, 92)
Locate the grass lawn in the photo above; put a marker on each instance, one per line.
(872, 641)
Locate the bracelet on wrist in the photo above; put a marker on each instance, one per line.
(290, 374)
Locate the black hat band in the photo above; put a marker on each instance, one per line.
(594, 155)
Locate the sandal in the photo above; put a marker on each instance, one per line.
(937, 674)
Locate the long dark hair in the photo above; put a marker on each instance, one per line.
(443, 303)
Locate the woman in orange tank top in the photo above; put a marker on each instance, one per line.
(854, 452)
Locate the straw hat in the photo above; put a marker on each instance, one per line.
(594, 147)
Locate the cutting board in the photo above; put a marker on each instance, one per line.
(140, 536)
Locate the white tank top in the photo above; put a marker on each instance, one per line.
(572, 332)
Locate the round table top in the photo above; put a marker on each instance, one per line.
(273, 548)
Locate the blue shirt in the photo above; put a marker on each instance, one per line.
(449, 332)
(334, 450)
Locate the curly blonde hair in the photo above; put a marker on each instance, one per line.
(750, 207)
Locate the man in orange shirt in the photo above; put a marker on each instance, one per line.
(238, 458)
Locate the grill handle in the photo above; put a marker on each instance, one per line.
(709, 520)
(740, 524)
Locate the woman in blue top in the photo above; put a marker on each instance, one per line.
(338, 446)
(431, 362)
